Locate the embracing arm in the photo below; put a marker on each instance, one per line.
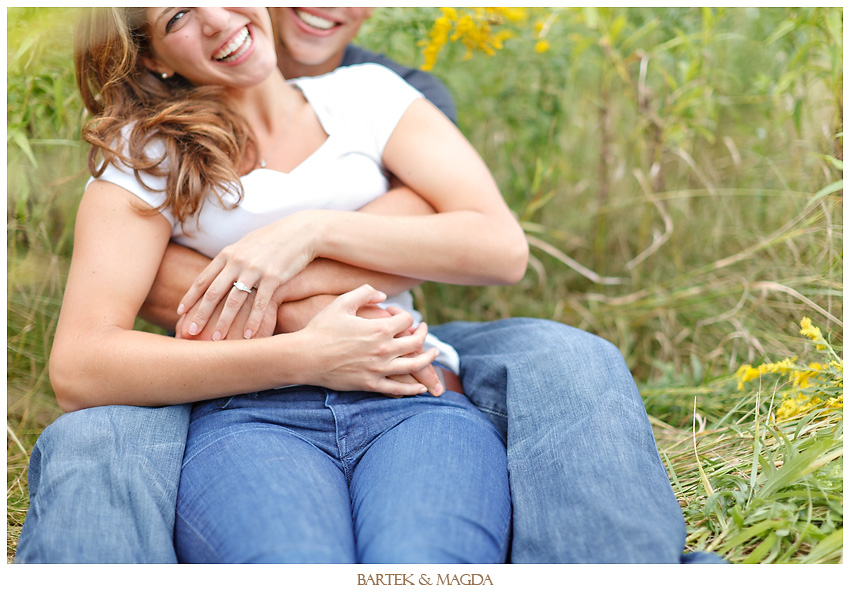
(181, 266)
(472, 239)
(98, 359)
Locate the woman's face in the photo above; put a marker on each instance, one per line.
(232, 47)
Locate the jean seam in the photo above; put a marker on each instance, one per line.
(343, 460)
(498, 413)
(195, 532)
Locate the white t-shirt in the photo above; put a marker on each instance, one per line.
(358, 107)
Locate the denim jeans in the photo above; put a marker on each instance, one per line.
(309, 475)
(102, 484)
(586, 481)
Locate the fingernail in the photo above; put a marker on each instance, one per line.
(438, 388)
(181, 309)
(217, 336)
(248, 334)
(193, 329)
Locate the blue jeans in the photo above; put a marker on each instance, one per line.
(309, 475)
(586, 481)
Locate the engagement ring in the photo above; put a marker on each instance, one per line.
(241, 287)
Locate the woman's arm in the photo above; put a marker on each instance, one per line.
(98, 359)
(472, 239)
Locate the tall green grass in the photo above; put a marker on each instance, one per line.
(678, 172)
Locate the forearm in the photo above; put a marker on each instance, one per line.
(125, 367)
(99, 361)
(179, 268)
(457, 247)
(325, 276)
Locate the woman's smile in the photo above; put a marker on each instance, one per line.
(197, 42)
(237, 47)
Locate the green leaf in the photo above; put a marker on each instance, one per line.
(803, 464)
(826, 548)
(23, 144)
(762, 549)
(784, 28)
(828, 190)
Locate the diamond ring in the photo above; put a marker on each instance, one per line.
(241, 287)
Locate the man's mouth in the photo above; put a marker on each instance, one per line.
(314, 21)
(236, 48)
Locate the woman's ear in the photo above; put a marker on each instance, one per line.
(155, 67)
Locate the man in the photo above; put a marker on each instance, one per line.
(587, 483)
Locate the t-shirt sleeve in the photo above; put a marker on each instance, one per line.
(429, 85)
(434, 91)
(122, 175)
(376, 99)
(364, 101)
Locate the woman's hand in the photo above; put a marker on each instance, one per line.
(266, 328)
(264, 260)
(354, 353)
(296, 316)
(427, 376)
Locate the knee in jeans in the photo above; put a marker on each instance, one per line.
(604, 350)
(76, 432)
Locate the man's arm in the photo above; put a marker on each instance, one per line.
(180, 266)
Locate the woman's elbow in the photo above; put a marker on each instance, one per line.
(512, 251)
(67, 383)
(516, 261)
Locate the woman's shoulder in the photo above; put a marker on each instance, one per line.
(364, 78)
(119, 170)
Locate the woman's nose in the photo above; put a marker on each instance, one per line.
(214, 20)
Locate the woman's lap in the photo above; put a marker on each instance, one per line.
(262, 496)
(433, 490)
(266, 479)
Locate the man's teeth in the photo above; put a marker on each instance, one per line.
(224, 54)
(314, 21)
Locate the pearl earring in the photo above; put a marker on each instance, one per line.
(164, 76)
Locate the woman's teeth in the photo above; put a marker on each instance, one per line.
(314, 21)
(229, 53)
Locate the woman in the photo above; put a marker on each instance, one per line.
(199, 133)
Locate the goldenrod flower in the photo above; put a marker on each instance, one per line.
(812, 332)
(816, 385)
(473, 27)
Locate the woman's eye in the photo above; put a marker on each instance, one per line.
(174, 19)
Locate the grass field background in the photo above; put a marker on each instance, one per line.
(678, 173)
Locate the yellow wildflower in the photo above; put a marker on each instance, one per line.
(796, 406)
(817, 385)
(473, 27)
(812, 332)
(541, 46)
(512, 14)
(745, 374)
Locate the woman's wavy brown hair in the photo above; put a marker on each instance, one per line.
(206, 142)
